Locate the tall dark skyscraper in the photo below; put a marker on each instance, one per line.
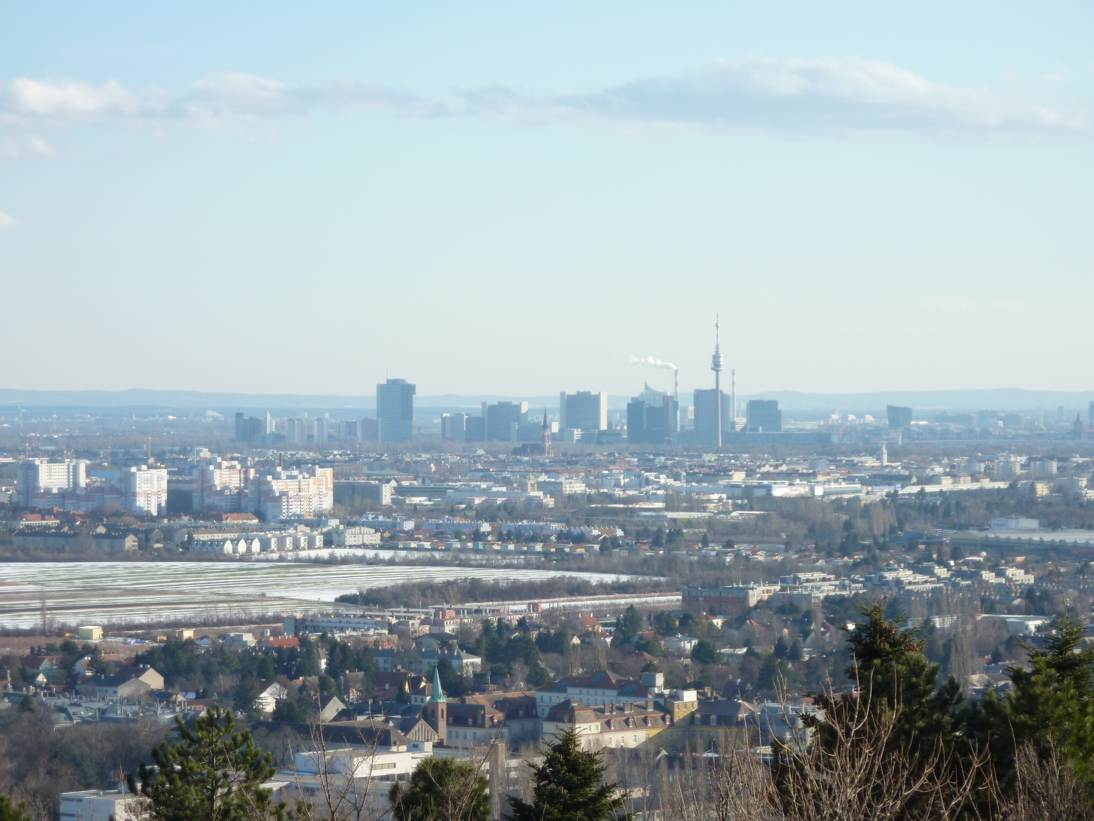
(395, 410)
(652, 418)
(899, 416)
(586, 411)
(764, 416)
(503, 419)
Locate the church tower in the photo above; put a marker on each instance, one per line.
(436, 710)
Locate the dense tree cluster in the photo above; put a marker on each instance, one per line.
(441, 789)
(188, 666)
(40, 760)
(460, 591)
(969, 746)
(504, 647)
(213, 771)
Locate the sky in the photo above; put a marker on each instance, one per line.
(522, 198)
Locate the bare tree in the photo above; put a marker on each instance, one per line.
(860, 771)
(1046, 789)
(343, 796)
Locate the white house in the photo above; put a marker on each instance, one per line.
(268, 698)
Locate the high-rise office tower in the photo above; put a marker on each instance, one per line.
(899, 416)
(586, 411)
(248, 428)
(708, 411)
(454, 426)
(501, 420)
(636, 420)
(395, 410)
(652, 418)
(764, 416)
(295, 431)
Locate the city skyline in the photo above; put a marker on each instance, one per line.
(398, 395)
(843, 185)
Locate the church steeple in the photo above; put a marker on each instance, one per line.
(436, 710)
(438, 691)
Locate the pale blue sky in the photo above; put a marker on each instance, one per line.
(514, 198)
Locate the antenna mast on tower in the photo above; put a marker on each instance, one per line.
(716, 366)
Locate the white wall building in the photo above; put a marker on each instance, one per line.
(364, 777)
(44, 477)
(101, 805)
(296, 494)
(145, 490)
(219, 486)
(356, 536)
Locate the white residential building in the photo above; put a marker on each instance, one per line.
(612, 726)
(356, 536)
(219, 486)
(101, 805)
(679, 645)
(267, 700)
(42, 477)
(296, 494)
(145, 490)
(1018, 576)
(364, 777)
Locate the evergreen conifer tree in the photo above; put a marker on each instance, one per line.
(896, 690)
(212, 771)
(891, 670)
(1050, 707)
(441, 789)
(10, 811)
(569, 786)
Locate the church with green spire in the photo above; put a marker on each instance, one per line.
(435, 711)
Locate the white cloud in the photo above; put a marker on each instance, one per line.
(787, 95)
(823, 95)
(46, 98)
(236, 95)
(20, 145)
(6, 221)
(25, 100)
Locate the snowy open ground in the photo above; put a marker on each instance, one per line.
(136, 593)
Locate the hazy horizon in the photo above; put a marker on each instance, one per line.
(999, 399)
(497, 198)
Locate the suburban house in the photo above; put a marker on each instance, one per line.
(600, 689)
(427, 657)
(125, 685)
(762, 723)
(266, 701)
(477, 720)
(611, 726)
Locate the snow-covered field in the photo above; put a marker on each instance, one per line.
(136, 593)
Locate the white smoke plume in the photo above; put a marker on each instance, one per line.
(653, 362)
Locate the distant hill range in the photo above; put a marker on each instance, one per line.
(1001, 399)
